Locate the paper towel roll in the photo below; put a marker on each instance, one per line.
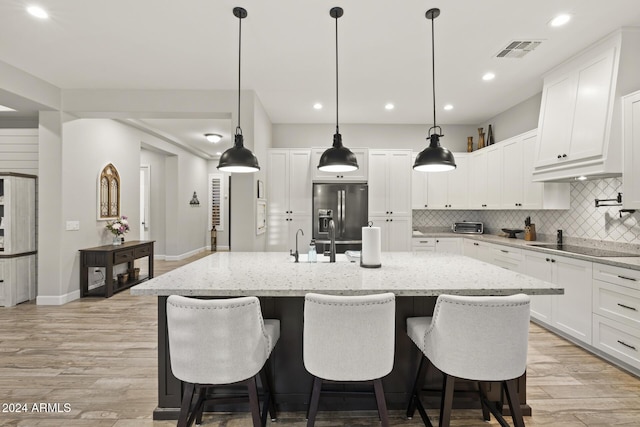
(370, 257)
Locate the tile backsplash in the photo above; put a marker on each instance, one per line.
(583, 220)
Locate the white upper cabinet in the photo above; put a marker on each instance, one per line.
(448, 190)
(485, 178)
(631, 137)
(359, 175)
(579, 123)
(289, 182)
(390, 182)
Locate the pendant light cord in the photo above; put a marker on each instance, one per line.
(337, 103)
(238, 128)
(433, 71)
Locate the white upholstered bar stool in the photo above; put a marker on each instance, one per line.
(482, 339)
(349, 339)
(220, 342)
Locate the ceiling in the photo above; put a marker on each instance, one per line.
(288, 53)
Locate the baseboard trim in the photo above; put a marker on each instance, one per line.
(58, 300)
(184, 255)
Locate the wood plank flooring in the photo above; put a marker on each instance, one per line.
(98, 356)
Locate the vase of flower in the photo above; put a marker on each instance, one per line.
(118, 228)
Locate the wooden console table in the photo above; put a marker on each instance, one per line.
(108, 256)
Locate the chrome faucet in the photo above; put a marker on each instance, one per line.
(559, 237)
(296, 255)
(332, 238)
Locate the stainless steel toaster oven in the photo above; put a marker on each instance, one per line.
(468, 227)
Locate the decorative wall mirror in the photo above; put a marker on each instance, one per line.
(109, 187)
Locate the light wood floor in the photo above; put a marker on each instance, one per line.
(99, 357)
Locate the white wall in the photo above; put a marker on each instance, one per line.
(516, 120)
(157, 197)
(19, 151)
(370, 136)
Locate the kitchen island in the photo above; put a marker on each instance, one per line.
(416, 278)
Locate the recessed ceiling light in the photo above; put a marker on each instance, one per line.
(317, 106)
(218, 153)
(38, 12)
(488, 76)
(560, 20)
(448, 107)
(5, 108)
(389, 106)
(213, 137)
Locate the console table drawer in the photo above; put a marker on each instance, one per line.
(142, 252)
(123, 256)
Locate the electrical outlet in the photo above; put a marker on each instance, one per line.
(73, 225)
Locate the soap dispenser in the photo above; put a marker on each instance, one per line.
(313, 255)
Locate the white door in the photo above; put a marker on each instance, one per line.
(512, 174)
(572, 312)
(538, 265)
(145, 201)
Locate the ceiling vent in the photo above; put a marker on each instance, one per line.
(518, 49)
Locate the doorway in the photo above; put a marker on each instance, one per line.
(145, 199)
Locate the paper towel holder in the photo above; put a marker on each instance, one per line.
(370, 224)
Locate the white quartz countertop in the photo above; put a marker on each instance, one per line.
(404, 273)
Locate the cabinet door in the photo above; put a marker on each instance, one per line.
(437, 189)
(451, 245)
(556, 119)
(532, 192)
(538, 265)
(512, 175)
(359, 175)
(470, 248)
(572, 312)
(378, 183)
(419, 187)
(278, 182)
(299, 182)
(592, 108)
(478, 180)
(383, 223)
(631, 137)
(398, 182)
(302, 222)
(457, 183)
(494, 177)
(278, 233)
(399, 234)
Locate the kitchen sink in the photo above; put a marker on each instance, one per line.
(582, 250)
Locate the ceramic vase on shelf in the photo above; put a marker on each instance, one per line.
(117, 240)
(490, 140)
(469, 144)
(480, 138)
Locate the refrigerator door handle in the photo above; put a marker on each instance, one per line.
(343, 211)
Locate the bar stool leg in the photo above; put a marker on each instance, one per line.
(447, 400)
(382, 404)
(482, 390)
(315, 399)
(186, 404)
(254, 403)
(267, 383)
(417, 385)
(514, 403)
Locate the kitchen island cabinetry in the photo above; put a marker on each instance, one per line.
(631, 137)
(288, 197)
(616, 312)
(359, 175)
(571, 312)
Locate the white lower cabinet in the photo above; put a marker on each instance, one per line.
(395, 233)
(423, 244)
(616, 312)
(282, 232)
(571, 312)
(17, 280)
(452, 245)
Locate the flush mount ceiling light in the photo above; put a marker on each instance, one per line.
(213, 137)
(448, 107)
(389, 106)
(317, 106)
(488, 76)
(237, 158)
(560, 20)
(38, 12)
(337, 158)
(434, 158)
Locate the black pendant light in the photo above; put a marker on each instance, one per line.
(337, 158)
(434, 158)
(237, 158)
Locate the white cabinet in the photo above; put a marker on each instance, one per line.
(359, 175)
(631, 137)
(505, 257)
(580, 124)
(485, 178)
(452, 245)
(448, 190)
(569, 313)
(288, 197)
(616, 312)
(419, 188)
(288, 182)
(518, 189)
(423, 244)
(395, 232)
(17, 238)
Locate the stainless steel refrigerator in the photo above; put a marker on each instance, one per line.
(347, 205)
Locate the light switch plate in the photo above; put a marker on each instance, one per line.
(73, 225)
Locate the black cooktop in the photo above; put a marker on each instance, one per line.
(586, 251)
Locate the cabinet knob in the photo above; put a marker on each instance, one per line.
(476, 244)
(387, 220)
(391, 212)
(547, 259)
(391, 219)
(387, 212)
(425, 206)
(559, 156)
(564, 155)
(553, 260)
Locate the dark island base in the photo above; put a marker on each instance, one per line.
(292, 383)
